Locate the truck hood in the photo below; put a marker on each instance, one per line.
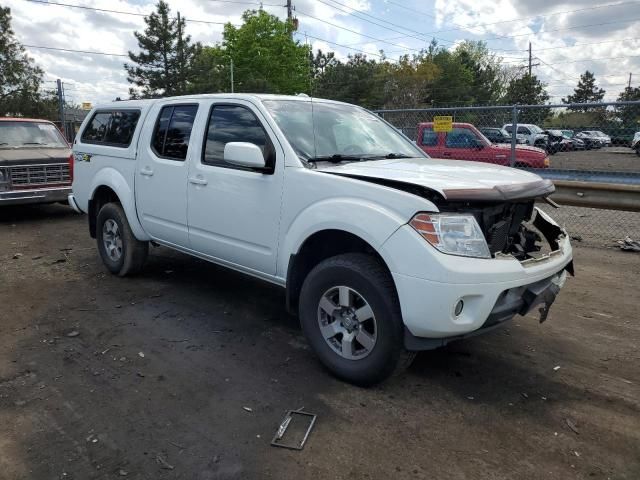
(523, 150)
(452, 179)
(25, 156)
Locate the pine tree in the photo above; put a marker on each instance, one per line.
(526, 90)
(20, 78)
(164, 66)
(585, 91)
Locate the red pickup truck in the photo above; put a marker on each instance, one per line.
(465, 142)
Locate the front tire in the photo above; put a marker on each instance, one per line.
(121, 252)
(350, 314)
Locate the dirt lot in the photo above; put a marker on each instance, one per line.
(154, 383)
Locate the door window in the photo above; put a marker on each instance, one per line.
(523, 130)
(173, 131)
(234, 123)
(429, 138)
(461, 138)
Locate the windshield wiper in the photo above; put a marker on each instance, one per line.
(4, 143)
(336, 158)
(34, 143)
(391, 155)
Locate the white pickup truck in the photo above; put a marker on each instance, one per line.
(382, 250)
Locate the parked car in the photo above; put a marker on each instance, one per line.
(533, 134)
(557, 142)
(605, 139)
(635, 143)
(591, 141)
(500, 135)
(34, 162)
(381, 249)
(573, 143)
(465, 142)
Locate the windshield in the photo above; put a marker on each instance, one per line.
(535, 129)
(30, 134)
(321, 130)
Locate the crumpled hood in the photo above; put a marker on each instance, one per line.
(453, 179)
(522, 148)
(24, 156)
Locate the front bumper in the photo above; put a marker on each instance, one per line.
(430, 284)
(43, 195)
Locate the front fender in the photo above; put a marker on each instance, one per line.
(371, 222)
(112, 178)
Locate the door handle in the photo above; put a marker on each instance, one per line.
(198, 181)
(147, 172)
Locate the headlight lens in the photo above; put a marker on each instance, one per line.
(454, 234)
(4, 180)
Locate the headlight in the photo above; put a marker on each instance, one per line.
(4, 180)
(455, 234)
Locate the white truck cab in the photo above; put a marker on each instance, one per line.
(382, 250)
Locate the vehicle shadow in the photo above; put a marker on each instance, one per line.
(34, 213)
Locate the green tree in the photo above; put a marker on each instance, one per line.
(585, 91)
(265, 58)
(629, 114)
(359, 80)
(526, 90)
(164, 66)
(20, 78)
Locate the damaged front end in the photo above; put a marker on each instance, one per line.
(516, 229)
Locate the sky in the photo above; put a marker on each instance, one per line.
(567, 36)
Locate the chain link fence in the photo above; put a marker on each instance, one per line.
(587, 143)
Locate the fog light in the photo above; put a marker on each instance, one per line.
(459, 307)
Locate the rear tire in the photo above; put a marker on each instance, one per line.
(361, 340)
(121, 252)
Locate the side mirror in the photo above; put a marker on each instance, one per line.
(244, 154)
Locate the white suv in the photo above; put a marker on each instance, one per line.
(532, 134)
(382, 250)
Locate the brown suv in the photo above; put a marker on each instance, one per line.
(35, 162)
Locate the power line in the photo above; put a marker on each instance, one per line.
(519, 19)
(343, 46)
(77, 51)
(354, 31)
(500, 37)
(361, 14)
(568, 46)
(121, 12)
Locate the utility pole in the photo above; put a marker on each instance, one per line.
(531, 60)
(290, 19)
(630, 74)
(232, 75)
(63, 127)
(181, 83)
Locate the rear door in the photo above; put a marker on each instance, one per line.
(166, 146)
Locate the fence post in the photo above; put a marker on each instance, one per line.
(514, 132)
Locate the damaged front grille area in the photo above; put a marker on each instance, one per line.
(505, 226)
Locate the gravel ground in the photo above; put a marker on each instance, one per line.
(615, 159)
(147, 378)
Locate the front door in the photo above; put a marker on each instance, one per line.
(234, 212)
(463, 144)
(162, 170)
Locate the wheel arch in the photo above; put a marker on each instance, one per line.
(317, 247)
(110, 186)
